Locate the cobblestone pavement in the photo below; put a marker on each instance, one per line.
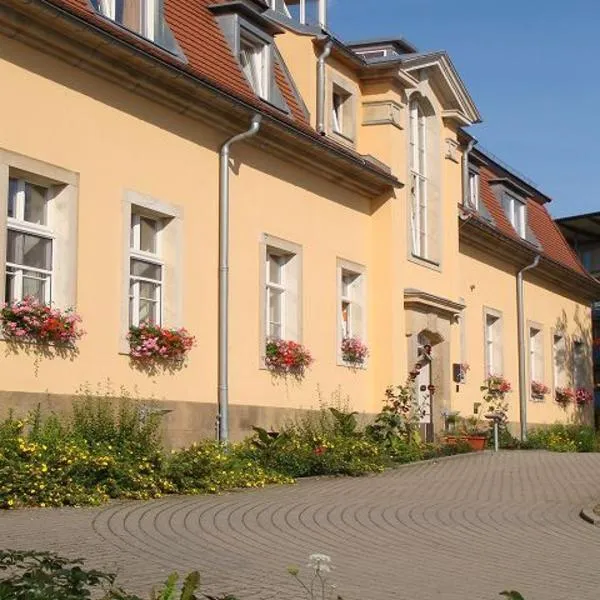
(463, 528)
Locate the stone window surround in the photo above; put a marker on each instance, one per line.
(336, 80)
(64, 220)
(488, 311)
(295, 269)
(556, 383)
(359, 270)
(433, 177)
(540, 328)
(171, 252)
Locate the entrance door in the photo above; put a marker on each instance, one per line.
(424, 387)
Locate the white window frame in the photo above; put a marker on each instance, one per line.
(257, 65)
(148, 26)
(291, 325)
(516, 213)
(559, 343)
(493, 342)
(279, 288)
(473, 191)
(18, 224)
(172, 255)
(536, 354)
(154, 258)
(302, 11)
(579, 370)
(356, 299)
(419, 181)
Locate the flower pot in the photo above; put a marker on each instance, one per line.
(476, 442)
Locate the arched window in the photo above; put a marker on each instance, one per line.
(418, 177)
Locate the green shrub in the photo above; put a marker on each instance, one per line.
(209, 467)
(563, 438)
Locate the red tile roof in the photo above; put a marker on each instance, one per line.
(209, 58)
(554, 245)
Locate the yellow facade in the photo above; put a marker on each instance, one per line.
(116, 142)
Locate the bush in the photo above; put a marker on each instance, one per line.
(209, 467)
(563, 438)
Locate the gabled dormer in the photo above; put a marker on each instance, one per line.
(145, 18)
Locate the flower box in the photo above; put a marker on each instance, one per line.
(31, 321)
(539, 390)
(150, 343)
(564, 396)
(583, 397)
(285, 357)
(354, 352)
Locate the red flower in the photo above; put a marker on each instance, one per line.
(320, 450)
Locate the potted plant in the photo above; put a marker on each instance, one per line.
(354, 352)
(285, 357)
(539, 390)
(564, 396)
(472, 431)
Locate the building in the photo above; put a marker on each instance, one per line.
(583, 234)
(358, 206)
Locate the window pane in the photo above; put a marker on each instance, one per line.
(149, 291)
(275, 269)
(346, 320)
(148, 229)
(141, 268)
(29, 250)
(35, 286)
(275, 311)
(129, 14)
(35, 204)
(9, 294)
(253, 61)
(148, 311)
(13, 186)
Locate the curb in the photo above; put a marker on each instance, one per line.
(587, 514)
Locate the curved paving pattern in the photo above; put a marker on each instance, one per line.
(457, 529)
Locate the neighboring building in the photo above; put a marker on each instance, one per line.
(583, 234)
(348, 212)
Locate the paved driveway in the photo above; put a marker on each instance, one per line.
(463, 528)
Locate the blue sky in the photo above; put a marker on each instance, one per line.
(532, 69)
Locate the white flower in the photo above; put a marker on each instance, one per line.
(321, 563)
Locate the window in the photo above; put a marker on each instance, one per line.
(493, 344)
(579, 365)
(342, 113)
(144, 17)
(281, 278)
(559, 352)
(536, 355)
(305, 12)
(145, 271)
(30, 240)
(351, 302)
(418, 168)
(516, 213)
(275, 265)
(590, 257)
(254, 58)
(473, 197)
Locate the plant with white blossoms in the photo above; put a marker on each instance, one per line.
(317, 587)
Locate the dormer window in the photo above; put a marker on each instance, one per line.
(305, 12)
(473, 191)
(144, 17)
(338, 100)
(254, 58)
(516, 213)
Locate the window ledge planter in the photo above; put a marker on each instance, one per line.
(539, 391)
(564, 396)
(31, 322)
(285, 358)
(354, 352)
(150, 343)
(583, 397)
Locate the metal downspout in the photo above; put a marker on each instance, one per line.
(522, 352)
(223, 393)
(321, 86)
